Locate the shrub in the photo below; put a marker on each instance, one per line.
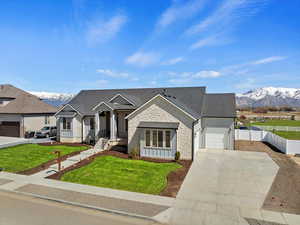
(177, 156)
(134, 153)
(243, 117)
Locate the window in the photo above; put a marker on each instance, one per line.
(154, 138)
(148, 138)
(158, 138)
(47, 120)
(168, 139)
(92, 123)
(126, 122)
(66, 124)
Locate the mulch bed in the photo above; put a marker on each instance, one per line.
(53, 161)
(284, 194)
(175, 178)
(63, 143)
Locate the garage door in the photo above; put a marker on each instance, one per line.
(216, 138)
(10, 129)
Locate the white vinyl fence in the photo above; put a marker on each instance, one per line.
(284, 145)
(278, 128)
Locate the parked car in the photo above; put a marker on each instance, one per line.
(46, 132)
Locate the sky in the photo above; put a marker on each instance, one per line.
(226, 45)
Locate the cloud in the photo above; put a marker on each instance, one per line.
(214, 40)
(180, 10)
(227, 15)
(249, 83)
(206, 74)
(143, 58)
(180, 81)
(189, 77)
(114, 74)
(101, 82)
(173, 61)
(269, 60)
(103, 31)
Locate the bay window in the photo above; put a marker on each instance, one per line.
(156, 138)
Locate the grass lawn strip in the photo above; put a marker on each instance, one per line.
(290, 123)
(291, 135)
(27, 156)
(124, 174)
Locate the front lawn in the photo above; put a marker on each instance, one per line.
(124, 174)
(291, 135)
(23, 157)
(290, 123)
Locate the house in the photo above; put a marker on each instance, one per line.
(156, 121)
(21, 112)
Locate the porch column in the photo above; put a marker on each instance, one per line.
(113, 125)
(97, 124)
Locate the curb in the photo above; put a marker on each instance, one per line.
(117, 212)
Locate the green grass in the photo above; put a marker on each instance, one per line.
(27, 156)
(291, 135)
(291, 123)
(123, 174)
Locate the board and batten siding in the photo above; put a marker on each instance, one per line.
(165, 153)
(160, 110)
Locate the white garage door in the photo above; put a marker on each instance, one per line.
(215, 138)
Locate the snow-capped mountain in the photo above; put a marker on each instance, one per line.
(56, 99)
(270, 96)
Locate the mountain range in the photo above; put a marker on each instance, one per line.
(266, 96)
(55, 99)
(269, 96)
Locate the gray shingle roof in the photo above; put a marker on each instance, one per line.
(219, 105)
(23, 102)
(192, 100)
(189, 98)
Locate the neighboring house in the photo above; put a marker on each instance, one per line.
(156, 121)
(21, 112)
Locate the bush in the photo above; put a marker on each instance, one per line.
(243, 117)
(134, 153)
(177, 156)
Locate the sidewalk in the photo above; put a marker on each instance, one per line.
(66, 163)
(104, 199)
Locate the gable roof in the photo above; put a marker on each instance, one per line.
(219, 105)
(190, 98)
(23, 102)
(180, 106)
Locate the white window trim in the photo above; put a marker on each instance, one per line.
(164, 138)
(68, 119)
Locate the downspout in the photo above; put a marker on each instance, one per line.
(193, 138)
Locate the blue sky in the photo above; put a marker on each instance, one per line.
(226, 45)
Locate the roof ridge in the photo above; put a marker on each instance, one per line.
(141, 88)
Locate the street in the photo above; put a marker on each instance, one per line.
(18, 209)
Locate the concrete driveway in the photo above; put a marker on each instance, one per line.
(228, 188)
(12, 141)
